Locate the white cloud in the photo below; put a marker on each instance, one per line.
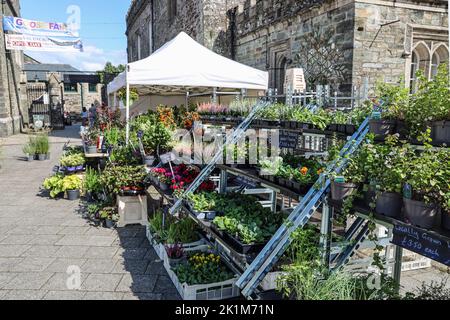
(92, 59)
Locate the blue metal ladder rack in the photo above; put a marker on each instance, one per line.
(235, 136)
(271, 253)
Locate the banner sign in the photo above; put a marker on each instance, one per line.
(22, 34)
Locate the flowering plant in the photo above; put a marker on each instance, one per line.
(211, 108)
(203, 268)
(175, 251)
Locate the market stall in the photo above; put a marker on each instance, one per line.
(184, 66)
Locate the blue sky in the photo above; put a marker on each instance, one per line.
(102, 30)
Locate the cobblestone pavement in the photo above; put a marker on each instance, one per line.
(40, 238)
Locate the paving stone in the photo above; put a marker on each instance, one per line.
(48, 230)
(156, 268)
(101, 252)
(8, 264)
(33, 264)
(64, 295)
(103, 296)
(3, 293)
(28, 281)
(60, 265)
(130, 243)
(143, 296)
(94, 231)
(6, 277)
(101, 282)
(13, 251)
(137, 283)
(41, 251)
(99, 266)
(98, 241)
(165, 285)
(24, 295)
(132, 254)
(45, 239)
(131, 266)
(71, 252)
(25, 230)
(60, 281)
(17, 239)
(74, 230)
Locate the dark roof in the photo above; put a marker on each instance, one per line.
(39, 71)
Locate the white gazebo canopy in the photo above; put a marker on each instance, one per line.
(183, 62)
(183, 65)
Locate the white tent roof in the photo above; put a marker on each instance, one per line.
(185, 63)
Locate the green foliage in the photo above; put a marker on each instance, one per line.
(202, 268)
(114, 178)
(39, 143)
(74, 160)
(29, 149)
(395, 98)
(203, 201)
(59, 183)
(245, 218)
(433, 291)
(91, 181)
(175, 231)
(72, 182)
(431, 101)
(109, 213)
(124, 156)
(54, 184)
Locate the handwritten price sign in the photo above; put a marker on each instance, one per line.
(423, 243)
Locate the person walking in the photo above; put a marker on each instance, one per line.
(92, 115)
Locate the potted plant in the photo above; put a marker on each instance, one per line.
(202, 204)
(385, 166)
(110, 216)
(42, 146)
(425, 182)
(345, 184)
(91, 184)
(430, 106)
(29, 151)
(54, 185)
(394, 101)
(175, 254)
(72, 185)
(91, 141)
(73, 163)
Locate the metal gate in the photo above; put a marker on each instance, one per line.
(42, 112)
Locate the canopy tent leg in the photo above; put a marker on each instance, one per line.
(115, 100)
(128, 114)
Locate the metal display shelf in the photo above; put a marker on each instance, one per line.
(252, 174)
(364, 212)
(231, 122)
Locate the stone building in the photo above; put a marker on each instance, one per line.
(343, 43)
(78, 88)
(12, 84)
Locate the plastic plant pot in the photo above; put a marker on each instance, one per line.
(340, 191)
(79, 168)
(441, 132)
(30, 157)
(42, 157)
(163, 186)
(73, 195)
(446, 220)
(420, 213)
(109, 224)
(389, 204)
(91, 149)
(382, 128)
(149, 160)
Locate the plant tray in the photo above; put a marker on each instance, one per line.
(213, 291)
(238, 246)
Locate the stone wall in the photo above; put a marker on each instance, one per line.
(387, 57)
(205, 21)
(13, 108)
(269, 35)
(73, 99)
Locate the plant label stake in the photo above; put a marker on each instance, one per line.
(168, 158)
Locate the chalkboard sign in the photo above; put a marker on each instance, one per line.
(289, 139)
(423, 243)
